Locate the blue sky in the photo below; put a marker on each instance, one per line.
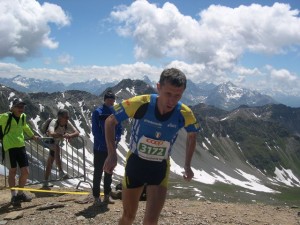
(254, 44)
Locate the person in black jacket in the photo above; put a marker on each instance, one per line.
(100, 150)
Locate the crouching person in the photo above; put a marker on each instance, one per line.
(59, 129)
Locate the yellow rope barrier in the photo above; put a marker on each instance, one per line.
(51, 191)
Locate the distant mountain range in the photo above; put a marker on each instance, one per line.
(250, 152)
(224, 96)
(31, 85)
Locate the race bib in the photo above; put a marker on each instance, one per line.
(153, 150)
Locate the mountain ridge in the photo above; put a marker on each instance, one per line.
(225, 96)
(250, 148)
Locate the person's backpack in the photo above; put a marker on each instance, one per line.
(8, 125)
(45, 126)
(6, 130)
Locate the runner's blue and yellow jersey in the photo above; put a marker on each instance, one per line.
(152, 134)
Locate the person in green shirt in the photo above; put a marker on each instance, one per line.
(14, 149)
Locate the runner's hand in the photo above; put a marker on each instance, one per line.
(188, 173)
(110, 163)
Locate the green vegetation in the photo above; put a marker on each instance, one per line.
(289, 195)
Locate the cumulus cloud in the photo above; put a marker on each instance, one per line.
(83, 73)
(218, 39)
(268, 80)
(65, 59)
(283, 81)
(25, 27)
(210, 48)
(282, 75)
(165, 28)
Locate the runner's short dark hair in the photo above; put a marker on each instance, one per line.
(174, 77)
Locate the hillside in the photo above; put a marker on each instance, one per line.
(249, 154)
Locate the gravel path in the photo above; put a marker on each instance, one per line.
(63, 209)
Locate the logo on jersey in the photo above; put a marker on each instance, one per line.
(153, 123)
(127, 102)
(172, 125)
(154, 142)
(157, 134)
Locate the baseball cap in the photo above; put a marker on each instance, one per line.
(109, 94)
(18, 101)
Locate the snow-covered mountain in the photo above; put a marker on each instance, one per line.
(36, 85)
(93, 86)
(24, 84)
(247, 153)
(228, 96)
(224, 96)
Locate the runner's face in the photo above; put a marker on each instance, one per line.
(169, 96)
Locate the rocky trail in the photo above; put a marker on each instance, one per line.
(53, 208)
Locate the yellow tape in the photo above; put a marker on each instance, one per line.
(51, 191)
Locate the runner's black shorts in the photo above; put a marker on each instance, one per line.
(16, 156)
(139, 171)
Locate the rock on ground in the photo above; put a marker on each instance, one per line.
(175, 211)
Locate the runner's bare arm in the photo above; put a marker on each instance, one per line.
(190, 148)
(111, 160)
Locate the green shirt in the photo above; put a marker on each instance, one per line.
(15, 137)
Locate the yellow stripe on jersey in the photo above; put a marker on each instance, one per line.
(188, 115)
(131, 105)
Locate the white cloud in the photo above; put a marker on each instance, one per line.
(24, 27)
(210, 48)
(65, 59)
(8, 67)
(283, 81)
(218, 39)
(282, 75)
(266, 80)
(165, 28)
(83, 73)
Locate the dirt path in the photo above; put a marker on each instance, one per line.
(176, 211)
